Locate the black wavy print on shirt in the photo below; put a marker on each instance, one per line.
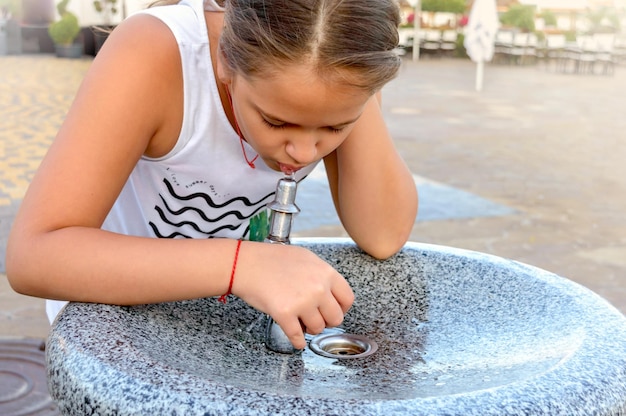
(173, 219)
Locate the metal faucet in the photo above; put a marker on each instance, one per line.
(282, 210)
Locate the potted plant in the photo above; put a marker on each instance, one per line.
(9, 10)
(5, 15)
(64, 33)
(108, 9)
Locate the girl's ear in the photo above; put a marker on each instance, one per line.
(224, 73)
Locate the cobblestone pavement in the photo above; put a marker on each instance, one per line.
(35, 92)
(531, 168)
(549, 145)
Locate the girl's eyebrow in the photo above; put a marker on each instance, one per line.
(279, 120)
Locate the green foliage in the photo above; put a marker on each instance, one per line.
(62, 7)
(259, 226)
(65, 30)
(548, 17)
(448, 6)
(459, 49)
(12, 6)
(570, 36)
(603, 20)
(105, 6)
(107, 9)
(520, 16)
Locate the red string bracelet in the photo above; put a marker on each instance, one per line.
(232, 275)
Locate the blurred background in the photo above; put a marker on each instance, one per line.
(439, 28)
(529, 168)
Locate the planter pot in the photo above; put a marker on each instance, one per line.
(73, 51)
(100, 35)
(3, 37)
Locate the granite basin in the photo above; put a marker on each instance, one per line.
(458, 333)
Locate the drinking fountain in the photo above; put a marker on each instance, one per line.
(433, 330)
(456, 332)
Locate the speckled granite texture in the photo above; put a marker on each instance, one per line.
(459, 333)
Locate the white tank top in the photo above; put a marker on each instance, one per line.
(203, 188)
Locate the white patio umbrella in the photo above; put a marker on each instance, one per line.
(480, 35)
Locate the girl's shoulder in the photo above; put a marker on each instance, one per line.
(186, 20)
(141, 62)
(140, 40)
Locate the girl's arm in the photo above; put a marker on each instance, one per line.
(56, 249)
(373, 190)
(130, 104)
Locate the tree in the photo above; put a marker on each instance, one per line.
(110, 8)
(448, 6)
(520, 16)
(603, 20)
(9, 7)
(548, 17)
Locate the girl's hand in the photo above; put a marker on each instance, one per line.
(292, 285)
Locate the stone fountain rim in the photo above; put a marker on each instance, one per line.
(609, 369)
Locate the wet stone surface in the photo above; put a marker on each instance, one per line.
(458, 333)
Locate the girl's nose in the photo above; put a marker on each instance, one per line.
(302, 149)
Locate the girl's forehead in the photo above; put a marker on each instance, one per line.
(303, 78)
(307, 69)
(299, 96)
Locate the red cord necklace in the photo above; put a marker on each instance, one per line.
(241, 140)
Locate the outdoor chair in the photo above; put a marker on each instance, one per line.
(524, 49)
(555, 51)
(605, 49)
(503, 45)
(448, 41)
(430, 41)
(531, 53)
(582, 54)
(593, 54)
(619, 49)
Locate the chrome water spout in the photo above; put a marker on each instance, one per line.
(282, 210)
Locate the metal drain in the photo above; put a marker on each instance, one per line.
(343, 346)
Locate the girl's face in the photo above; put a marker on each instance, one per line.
(294, 118)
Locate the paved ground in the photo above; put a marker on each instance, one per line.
(531, 168)
(36, 92)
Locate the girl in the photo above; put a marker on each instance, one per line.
(187, 118)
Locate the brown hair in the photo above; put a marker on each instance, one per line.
(352, 39)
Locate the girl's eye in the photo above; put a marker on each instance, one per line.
(272, 125)
(284, 125)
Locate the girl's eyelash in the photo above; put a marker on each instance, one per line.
(273, 126)
(282, 126)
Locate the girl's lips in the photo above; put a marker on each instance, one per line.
(288, 169)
